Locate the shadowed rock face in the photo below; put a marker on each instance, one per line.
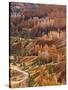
(62, 77)
(61, 68)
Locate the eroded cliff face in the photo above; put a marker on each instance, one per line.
(38, 42)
